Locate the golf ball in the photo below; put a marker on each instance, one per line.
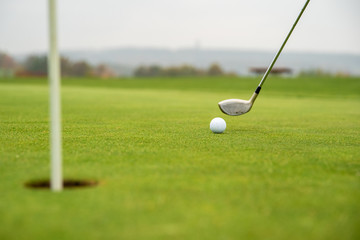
(217, 125)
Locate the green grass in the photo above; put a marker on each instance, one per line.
(289, 169)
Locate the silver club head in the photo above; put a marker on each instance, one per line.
(236, 107)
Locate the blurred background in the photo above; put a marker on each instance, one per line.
(147, 38)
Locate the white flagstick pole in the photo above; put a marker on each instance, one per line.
(56, 183)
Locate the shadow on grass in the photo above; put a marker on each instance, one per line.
(67, 183)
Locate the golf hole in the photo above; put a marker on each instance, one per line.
(67, 183)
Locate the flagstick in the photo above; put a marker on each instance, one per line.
(56, 183)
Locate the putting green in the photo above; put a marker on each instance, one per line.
(289, 169)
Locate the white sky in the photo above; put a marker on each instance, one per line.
(326, 26)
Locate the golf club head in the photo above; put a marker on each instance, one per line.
(235, 107)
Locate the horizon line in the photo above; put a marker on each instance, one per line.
(178, 49)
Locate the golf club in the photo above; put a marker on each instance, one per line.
(235, 107)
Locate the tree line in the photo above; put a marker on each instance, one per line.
(36, 65)
(179, 71)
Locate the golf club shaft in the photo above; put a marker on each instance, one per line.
(257, 91)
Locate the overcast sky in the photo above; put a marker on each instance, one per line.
(326, 26)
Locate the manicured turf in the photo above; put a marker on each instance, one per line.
(289, 169)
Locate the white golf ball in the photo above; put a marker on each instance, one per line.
(217, 125)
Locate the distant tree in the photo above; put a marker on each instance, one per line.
(7, 65)
(184, 70)
(187, 70)
(154, 71)
(171, 71)
(81, 69)
(36, 65)
(149, 71)
(215, 70)
(103, 71)
(66, 66)
(84, 69)
(141, 71)
(6, 61)
(313, 72)
(176, 71)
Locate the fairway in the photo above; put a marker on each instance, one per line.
(288, 169)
